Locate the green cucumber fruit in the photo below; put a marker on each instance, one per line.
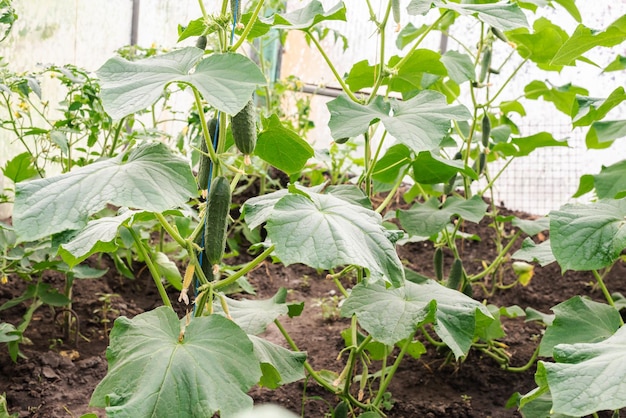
(395, 8)
(205, 161)
(499, 34)
(235, 9)
(243, 125)
(482, 160)
(201, 42)
(217, 209)
(438, 261)
(486, 130)
(455, 279)
(485, 64)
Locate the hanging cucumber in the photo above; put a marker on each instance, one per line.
(395, 8)
(499, 34)
(438, 262)
(455, 279)
(235, 9)
(486, 125)
(485, 64)
(205, 161)
(201, 42)
(217, 209)
(243, 125)
(482, 161)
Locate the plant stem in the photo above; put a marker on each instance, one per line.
(322, 382)
(251, 265)
(508, 80)
(605, 292)
(171, 230)
(419, 40)
(249, 26)
(118, 131)
(205, 127)
(381, 66)
(343, 84)
(526, 366)
(368, 175)
(389, 196)
(430, 339)
(151, 267)
(496, 263)
(385, 383)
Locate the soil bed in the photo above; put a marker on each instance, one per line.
(58, 377)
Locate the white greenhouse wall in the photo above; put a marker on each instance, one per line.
(87, 32)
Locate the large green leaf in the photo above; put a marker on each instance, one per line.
(570, 6)
(589, 109)
(523, 146)
(429, 168)
(282, 366)
(610, 183)
(427, 219)
(155, 371)
(579, 320)
(253, 316)
(391, 165)
(541, 45)
(308, 16)
(586, 237)
(459, 65)
(20, 168)
(540, 406)
(563, 96)
(410, 76)
(532, 226)
(503, 15)
(226, 81)
(149, 177)
(618, 64)
(583, 39)
(257, 210)
(282, 147)
(420, 122)
(324, 231)
(588, 377)
(603, 133)
(97, 237)
(391, 315)
(540, 253)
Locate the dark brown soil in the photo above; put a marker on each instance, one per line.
(57, 377)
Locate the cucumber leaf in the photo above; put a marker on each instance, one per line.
(427, 219)
(583, 39)
(588, 377)
(325, 231)
(155, 371)
(391, 315)
(226, 81)
(308, 16)
(149, 178)
(587, 237)
(579, 320)
(420, 122)
(282, 147)
(502, 15)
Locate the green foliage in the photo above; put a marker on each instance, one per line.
(403, 125)
(587, 237)
(154, 366)
(68, 200)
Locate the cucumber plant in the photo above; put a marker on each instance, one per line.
(411, 123)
